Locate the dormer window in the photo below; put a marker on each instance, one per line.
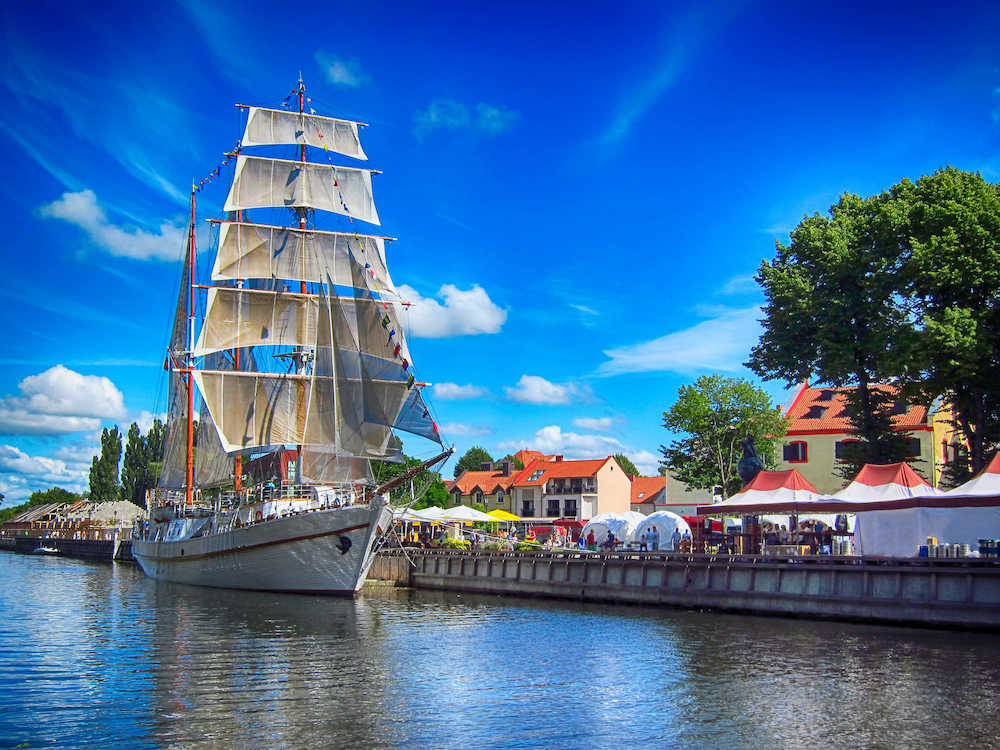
(816, 412)
(825, 395)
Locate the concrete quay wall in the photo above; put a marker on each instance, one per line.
(961, 593)
(89, 549)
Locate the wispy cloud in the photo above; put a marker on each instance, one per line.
(683, 40)
(68, 181)
(719, 344)
(448, 114)
(455, 392)
(42, 299)
(463, 312)
(739, 285)
(452, 220)
(584, 309)
(533, 389)
(83, 210)
(341, 71)
(600, 424)
(465, 430)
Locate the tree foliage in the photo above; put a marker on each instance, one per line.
(626, 465)
(104, 468)
(715, 414)
(832, 313)
(517, 463)
(901, 288)
(428, 487)
(142, 461)
(475, 457)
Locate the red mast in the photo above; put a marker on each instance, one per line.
(189, 463)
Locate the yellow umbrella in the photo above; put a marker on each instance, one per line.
(501, 515)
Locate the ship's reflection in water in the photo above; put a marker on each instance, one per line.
(98, 655)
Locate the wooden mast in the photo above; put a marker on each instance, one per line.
(302, 225)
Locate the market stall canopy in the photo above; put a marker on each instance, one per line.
(464, 513)
(887, 482)
(985, 483)
(501, 515)
(772, 492)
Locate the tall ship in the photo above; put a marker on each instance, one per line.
(289, 373)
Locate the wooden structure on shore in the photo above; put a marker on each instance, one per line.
(952, 593)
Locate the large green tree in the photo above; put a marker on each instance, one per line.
(714, 415)
(141, 463)
(104, 468)
(833, 312)
(475, 457)
(949, 224)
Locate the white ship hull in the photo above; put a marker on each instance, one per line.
(317, 552)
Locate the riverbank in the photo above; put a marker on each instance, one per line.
(957, 594)
(114, 548)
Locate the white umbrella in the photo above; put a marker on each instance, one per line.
(465, 513)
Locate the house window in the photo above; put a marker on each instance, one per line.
(552, 506)
(457, 496)
(499, 496)
(795, 452)
(816, 412)
(479, 497)
(840, 449)
(825, 395)
(528, 508)
(569, 507)
(913, 447)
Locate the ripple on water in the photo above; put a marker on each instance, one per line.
(96, 655)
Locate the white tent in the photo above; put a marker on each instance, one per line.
(465, 513)
(664, 522)
(620, 524)
(960, 516)
(889, 482)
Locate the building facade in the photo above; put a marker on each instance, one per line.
(819, 429)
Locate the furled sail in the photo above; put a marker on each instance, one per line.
(263, 252)
(173, 474)
(266, 127)
(179, 331)
(261, 183)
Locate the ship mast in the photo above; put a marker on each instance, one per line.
(189, 459)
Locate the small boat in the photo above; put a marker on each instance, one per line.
(293, 347)
(44, 550)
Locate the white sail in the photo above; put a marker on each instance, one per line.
(237, 318)
(262, 183)
(173, 473)
(259, 251)
(266, 127)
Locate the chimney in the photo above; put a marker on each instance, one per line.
(486, 466)
(506, 467)
(559, 458)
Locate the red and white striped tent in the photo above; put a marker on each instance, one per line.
(986, 483)
(773, 492)
(888, 482)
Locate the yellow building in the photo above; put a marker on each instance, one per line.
(818, 429)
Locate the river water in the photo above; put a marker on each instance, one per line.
(98, 655)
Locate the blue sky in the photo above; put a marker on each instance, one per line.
(581, 193)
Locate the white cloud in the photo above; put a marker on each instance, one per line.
(59, 401)
(448, 114)
(465, 430)
(720, 344)
(342, 72)
(82, 209)
(601, 424)
(532, 389)
(144, 420)
(646, 462)
(464, 312)
(52, 470)
(584, 309)
(455, 392)
(739, 285)
(552, 439)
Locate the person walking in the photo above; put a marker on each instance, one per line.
(654, 539)
(675, 539)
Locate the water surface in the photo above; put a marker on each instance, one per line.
(98, 655)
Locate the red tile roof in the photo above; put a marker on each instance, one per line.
(526, 457)
(645, 489)
(487, 481)
(823, 410)
(547, 470)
